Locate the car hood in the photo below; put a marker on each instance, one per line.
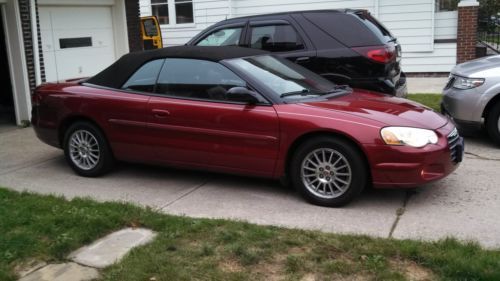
(473, 68)
(390, 111)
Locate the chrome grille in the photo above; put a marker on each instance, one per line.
(453, 139)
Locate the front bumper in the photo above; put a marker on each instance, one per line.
(408, 167)
(463, 107)
(465, 127)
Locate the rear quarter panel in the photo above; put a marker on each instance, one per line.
(121, 116)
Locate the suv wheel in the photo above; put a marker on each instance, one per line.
(328, 171)
(86, 150)
(493, 123)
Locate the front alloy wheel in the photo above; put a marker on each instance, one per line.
(328, 171)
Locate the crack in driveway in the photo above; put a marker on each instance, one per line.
(481, 157)
(168, 204)
(29, 165)
(400, 211)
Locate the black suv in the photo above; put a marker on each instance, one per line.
(346, 46)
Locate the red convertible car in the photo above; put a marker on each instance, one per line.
(243, 111)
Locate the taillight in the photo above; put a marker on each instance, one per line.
(380, 54)
(36, 97)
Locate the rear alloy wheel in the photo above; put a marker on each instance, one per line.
(493, 123)
(86, 150)
(328, 171)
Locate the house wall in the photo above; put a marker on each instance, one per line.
(415, 24)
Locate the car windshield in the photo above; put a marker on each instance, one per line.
(283, 78)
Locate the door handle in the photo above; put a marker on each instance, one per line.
(302, 59)
(160, 113)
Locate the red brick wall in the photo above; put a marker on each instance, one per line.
(467, 33)
(133, 25)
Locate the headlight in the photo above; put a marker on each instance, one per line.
(463, 83)
(408, 136)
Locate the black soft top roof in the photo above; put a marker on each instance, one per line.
(118, 73)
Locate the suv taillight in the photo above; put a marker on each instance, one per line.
(380, 54)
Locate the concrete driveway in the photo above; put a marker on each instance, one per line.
(465, 205)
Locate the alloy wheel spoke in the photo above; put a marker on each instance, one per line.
(326, 173)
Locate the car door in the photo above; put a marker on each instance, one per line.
(283, 37)
(125, 112)
(192, 124)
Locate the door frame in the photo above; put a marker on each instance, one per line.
(16, 60)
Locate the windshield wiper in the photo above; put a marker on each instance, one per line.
(303, 92)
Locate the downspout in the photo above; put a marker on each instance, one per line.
(376, 7)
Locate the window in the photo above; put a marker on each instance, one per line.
(446, 5)
(173, 11)
(275, 38)
(199, 79)
(282, 76)
(222, 37)
(183, 11)
(159, 9)
(144, 79)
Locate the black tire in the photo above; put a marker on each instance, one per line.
(358, 169)
(105, 160)
(492, 123)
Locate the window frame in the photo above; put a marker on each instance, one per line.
(454, 8)
(241, 41)
(253, 24)
(140, 67)
(156, 94)
(172, 13)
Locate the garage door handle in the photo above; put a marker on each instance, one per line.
(160, 113)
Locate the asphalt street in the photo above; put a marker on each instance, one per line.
(466, 205)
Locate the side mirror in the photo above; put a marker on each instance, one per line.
(242, 94)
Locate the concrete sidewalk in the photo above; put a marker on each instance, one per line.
(426, 85)
(465, 205)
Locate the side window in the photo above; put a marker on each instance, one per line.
(222, 37)
(200, 79)
(275, 38)
(144, 79)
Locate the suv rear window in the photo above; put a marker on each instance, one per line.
(375, 26)
(349, 29)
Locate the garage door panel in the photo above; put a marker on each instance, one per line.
(81, 17)
(100, 38)
(47, 40)
(72, 64)
(49, 62)
(44, 17)
(77, 41)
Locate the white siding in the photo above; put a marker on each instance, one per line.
(255, 7)
(446, 25)
(414, 23)
(442, 59)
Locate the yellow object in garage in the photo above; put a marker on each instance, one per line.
(151, 33)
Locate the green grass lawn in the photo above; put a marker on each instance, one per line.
(47, 228)
(431, 100)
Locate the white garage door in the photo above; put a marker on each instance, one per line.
(76, 41)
